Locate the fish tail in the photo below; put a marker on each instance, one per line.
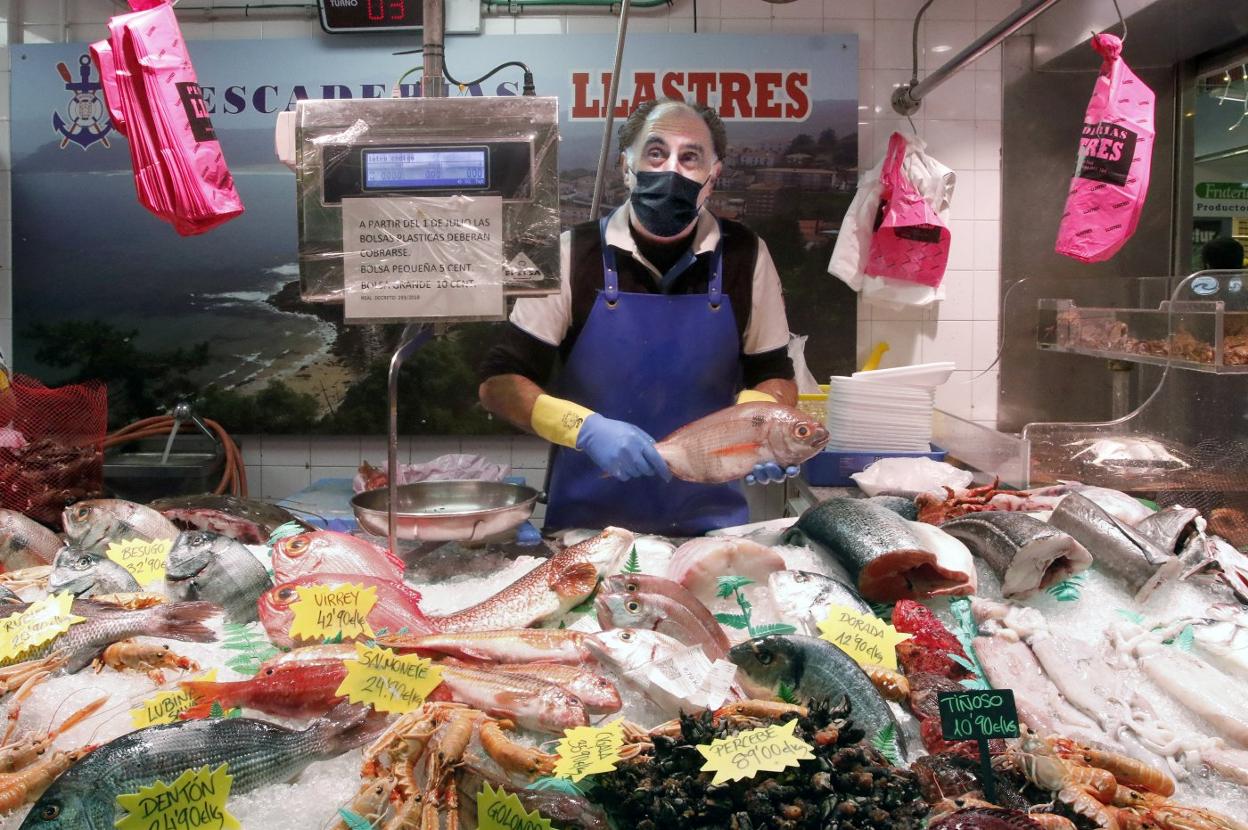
(183, 621)
(344, 728)
(205, 693)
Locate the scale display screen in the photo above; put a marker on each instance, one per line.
(426, 168)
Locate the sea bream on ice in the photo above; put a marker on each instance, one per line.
(889, 557)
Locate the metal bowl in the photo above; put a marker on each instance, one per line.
(447, 511)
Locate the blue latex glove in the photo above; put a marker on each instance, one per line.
(621, 449)
(770, 473)
(527, 535)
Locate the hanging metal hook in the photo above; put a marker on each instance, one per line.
(1122, 21)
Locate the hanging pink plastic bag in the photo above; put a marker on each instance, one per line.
(1115, 155)
(179, 171)
(909, 242)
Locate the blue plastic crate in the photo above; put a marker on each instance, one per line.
(833, 468)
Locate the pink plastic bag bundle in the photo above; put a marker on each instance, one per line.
(155, 101)
(909, 242)
(1115, 154)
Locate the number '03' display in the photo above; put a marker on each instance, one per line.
(339, 16)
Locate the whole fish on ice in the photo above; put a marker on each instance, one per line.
(293, 690)
(803, 598)
(327, 551)
(24, 543)
(258, 753)
(597, 693)
(815, 670)
(531, 702)
(247, 520)
(1026, 553)
(550, 589)
(698, 563)
(519, 645)
(93, 524)
(1116, 547)
(657, 604)
(397, 606)
(725, 445)
(889, 557)
(216, 568)
(85, 573)
(83, 642)
(628, 649)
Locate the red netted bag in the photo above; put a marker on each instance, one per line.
(62, 459)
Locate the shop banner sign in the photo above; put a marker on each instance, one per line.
(104, 289)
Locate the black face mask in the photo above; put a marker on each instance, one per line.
(665, 203)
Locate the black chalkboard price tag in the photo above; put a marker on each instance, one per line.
(981, 716)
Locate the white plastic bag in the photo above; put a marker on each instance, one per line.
(806, 382)
(910, 475)
(452, 467)
(849, 257)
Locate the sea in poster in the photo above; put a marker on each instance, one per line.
(103, 289)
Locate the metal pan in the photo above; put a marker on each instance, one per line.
(447, 511)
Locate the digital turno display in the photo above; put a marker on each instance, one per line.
(443, 168)
(370, 15)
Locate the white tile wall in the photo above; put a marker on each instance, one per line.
(960, 121)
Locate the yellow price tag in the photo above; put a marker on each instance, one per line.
(39, 624)
(165, 707)
(585, 750)
(746, 754)
(387, 681)
(501, 810)
(864, 637)
(323, 612)
(144, 560)
(196, 799)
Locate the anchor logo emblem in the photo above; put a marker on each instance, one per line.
(88, 120)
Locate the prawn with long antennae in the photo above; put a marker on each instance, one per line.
(21, 754)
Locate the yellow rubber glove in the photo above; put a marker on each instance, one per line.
(753, 395)
(557, 420)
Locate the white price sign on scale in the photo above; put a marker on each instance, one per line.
(423, 258)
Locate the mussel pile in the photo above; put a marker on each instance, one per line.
(847, 786)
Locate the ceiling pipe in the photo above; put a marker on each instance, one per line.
(908, 97)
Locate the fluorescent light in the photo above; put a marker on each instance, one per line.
(942, 48)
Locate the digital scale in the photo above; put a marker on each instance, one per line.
(427, 208)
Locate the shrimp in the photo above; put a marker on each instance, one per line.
(1128, 771)
(760, 709)
(24, 786)
(890, 684)
(371, 803)
(511, 756)
(23, 753)
(149, 657)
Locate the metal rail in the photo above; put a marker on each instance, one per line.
(908, 97)
(621, 34)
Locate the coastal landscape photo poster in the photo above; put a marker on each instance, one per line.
(102, 289)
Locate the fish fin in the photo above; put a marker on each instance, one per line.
(205, 693)
(346, 727)
(738, 449)
(182, 621)
(577, 580)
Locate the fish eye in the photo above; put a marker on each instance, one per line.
(286, 594)
(632, 587)
(50, 812)
(297, 546)
(802, 431)
(197, 539)
(83, 563)
(626, 636)
(632, 606)
(81, 514)
(764, 657)
(268, 672)
(801, 578)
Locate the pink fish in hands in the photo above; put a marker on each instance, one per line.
(327, 551)
(726, 445)
(397, 607)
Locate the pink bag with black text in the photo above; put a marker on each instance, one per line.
(1115, 155)
(155, 100)
(909, 241)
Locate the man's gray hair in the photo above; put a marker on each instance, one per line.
(632, 126)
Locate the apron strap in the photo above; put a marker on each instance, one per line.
(611, 275)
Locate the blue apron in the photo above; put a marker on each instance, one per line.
(658, 361)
